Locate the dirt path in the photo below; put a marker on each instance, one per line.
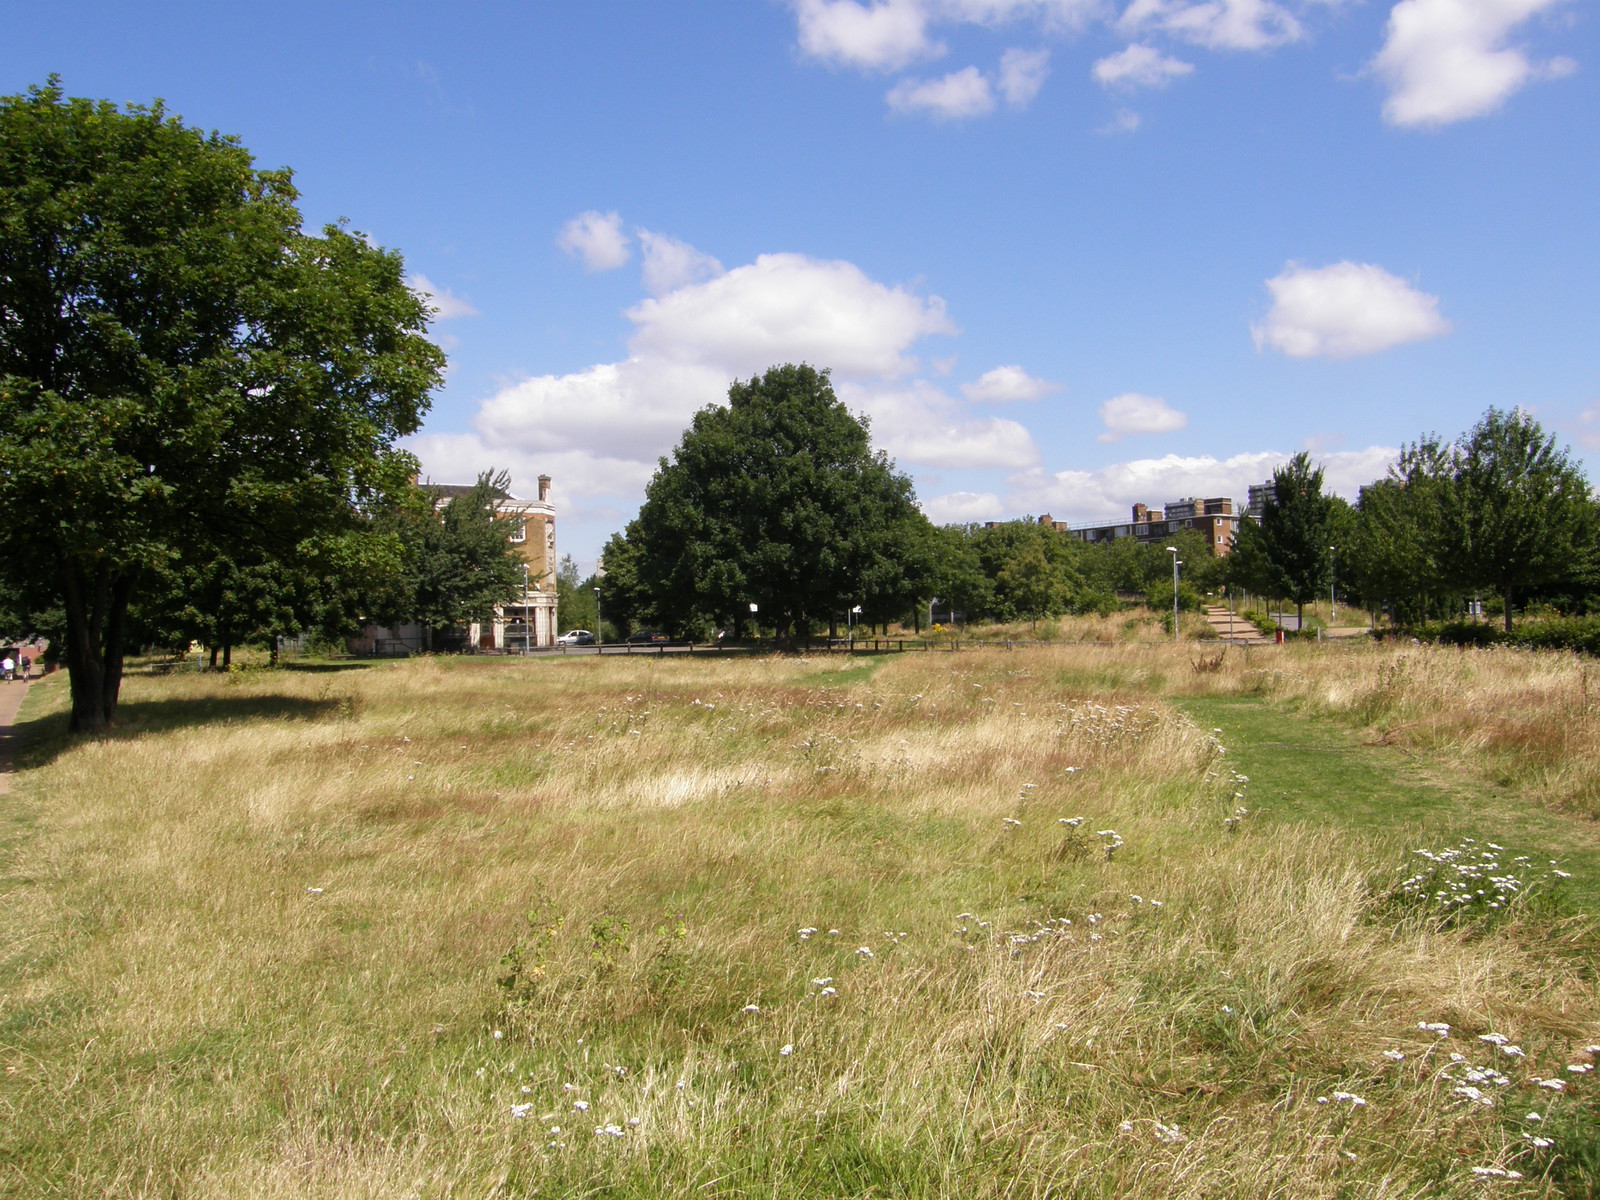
(11, 695)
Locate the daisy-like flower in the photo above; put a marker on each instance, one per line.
(581, 1105)
(787, 1050)
(1394, 1055)
(751, 1008)
(519, 1111)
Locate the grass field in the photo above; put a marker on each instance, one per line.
(1098, 921)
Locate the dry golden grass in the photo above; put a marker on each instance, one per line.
(256, 940)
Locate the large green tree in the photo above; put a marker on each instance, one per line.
(1516, 511)
(777, 499)
(1297, 529)
(181, 365)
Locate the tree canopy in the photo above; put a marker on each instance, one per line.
(777, 499)
(184, 372)
(1297, 530)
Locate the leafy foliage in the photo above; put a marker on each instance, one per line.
(775, 499)
(184, 373)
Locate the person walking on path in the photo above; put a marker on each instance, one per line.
(10, 700)
(9, 666)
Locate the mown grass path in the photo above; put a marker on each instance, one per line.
(1316, 770)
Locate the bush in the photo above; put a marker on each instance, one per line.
(1579, 634)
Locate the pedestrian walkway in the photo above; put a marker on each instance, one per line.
(11, 695)
(1235, 629)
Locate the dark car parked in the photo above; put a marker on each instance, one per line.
(648, 637)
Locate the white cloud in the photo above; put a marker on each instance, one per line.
(1131, 414)
(1445, 60)
(670, 264)
(1107, 494)
(1345, 310)
(1022, 74)
(446, 305)
(886, 35)
(920, 424)
(787, 307)
(605, 426)
(1005, 384)
(597, 238)
(962, 508)
(1217, 24)
(963, 93)
(1124, 120)
(1139, 66)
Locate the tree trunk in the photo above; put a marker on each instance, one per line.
(87, 600)
(213, 663)
(1507, 595)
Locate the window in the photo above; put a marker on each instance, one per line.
(519, 528)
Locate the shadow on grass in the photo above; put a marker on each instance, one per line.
(41, 740)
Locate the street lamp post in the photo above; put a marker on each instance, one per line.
(599, 626)
(1173, 550)
(850, 626)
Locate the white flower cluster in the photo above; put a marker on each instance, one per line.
(1469, 878)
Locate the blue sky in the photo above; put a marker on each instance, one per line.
(1067, 255)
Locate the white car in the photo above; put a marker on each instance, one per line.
(576, 637)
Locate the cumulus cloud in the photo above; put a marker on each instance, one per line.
(919, 424)
(605, 426)
(1215, 24)
(1131, 414)
(670, 264)
(1343, 311)
(1022, 74)
(1139, 66)
(788, 307)
(597, 238)
(1588, 432)
(1108, 493)
(960, 94)
(1446, 60)
(886, 35)
(446, 305)
(962, 508)
(1006, 384)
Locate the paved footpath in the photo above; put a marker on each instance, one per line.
(11, 695)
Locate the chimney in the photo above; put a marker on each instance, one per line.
(1141, 514)
(544, 487)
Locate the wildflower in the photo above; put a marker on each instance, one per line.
(751, 1008)
(555, 1129)
(1543, 1143)
(1493, 1039)
(1476, 1095)
(1035, 995)
(1010, 821)
(608, 1130)
(1595, 1050)
(526, 1090)
(1136, 899)
(1496, 1173)
(519, 1111)
(569, 1087)
(634, 1122)
(1513, 1052)
(1394, 1055)
(824, 981)
(787, 1049)
(499, 1035)
(833, 933)
(1350, 1098)
(1170, 1134)
(828, 991)
(1562, 874)
(1554, 1085)
(1455, 1058)
(1125, 1127)
(1533, 1116)
(1580, 1068)
(581, 1105)
(682, 1083)
(313, 891)
(864, 952)
(805, 934)
(1073, 822)
(1438, 1027)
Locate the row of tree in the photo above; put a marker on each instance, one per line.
(774, 510)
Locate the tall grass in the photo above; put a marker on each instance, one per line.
(778, 927)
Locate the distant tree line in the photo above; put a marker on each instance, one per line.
(774, 514)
